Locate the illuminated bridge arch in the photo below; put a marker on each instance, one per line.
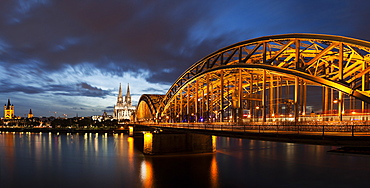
(269, 76)
(148, 106)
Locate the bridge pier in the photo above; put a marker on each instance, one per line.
(177, 143)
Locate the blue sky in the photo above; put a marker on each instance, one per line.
(70, 56)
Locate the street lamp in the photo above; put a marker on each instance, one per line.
(257, 111)
(340, 108)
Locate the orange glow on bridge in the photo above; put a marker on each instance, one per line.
(268, 79)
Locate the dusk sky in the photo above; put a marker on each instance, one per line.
(69, 56)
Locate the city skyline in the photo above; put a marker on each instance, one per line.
(70, 57)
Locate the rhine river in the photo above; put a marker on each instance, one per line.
(101, 160)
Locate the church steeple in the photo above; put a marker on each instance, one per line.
(30, 115)
(120, 97)
(128, 96)
(8, 106)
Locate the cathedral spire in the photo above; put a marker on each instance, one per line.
(120, 97)
(128, 95)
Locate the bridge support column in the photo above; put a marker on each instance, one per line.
(326, 101)
(300, 96)
(228, 101)
(188, 103)
(181, 107)
(207, 112)
(175, 112)
(196, 101)
(340, 97)
(222, 96)
(296, 98)
(365, 86)
(240, 97)
(279, 94)
(251, 102)
(264, 97)
(304, 93)
(272, 96)
(202, 103)
(340, 106)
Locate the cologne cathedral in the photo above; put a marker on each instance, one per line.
(123, 109)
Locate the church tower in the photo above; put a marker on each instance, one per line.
(8, 110)
(30, 115)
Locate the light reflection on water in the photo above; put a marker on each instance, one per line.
(102, 160)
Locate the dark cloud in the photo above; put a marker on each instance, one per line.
(132, 36)
(159, 35)
(80, 89)
(151, 40)
(88, 90)
(153, 90)
(78, 108)
(20, 88)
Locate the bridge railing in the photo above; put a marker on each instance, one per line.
(339, 128)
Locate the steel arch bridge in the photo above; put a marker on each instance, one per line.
(267, 79)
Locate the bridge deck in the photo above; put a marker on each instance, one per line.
(349, 135)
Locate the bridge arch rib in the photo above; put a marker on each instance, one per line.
(259, 68)
(148, 106)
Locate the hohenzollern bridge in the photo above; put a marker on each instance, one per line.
(279, 78)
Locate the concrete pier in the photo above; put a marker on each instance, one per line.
(172, 143)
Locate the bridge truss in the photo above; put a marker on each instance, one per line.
(267, 79)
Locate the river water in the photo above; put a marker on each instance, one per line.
(102, 160)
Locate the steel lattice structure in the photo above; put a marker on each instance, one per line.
(268, 77)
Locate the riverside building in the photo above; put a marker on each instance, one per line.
(8, 110)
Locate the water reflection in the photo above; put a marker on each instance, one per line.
(214, 172)
(146, 173)
(100, 160)
(131, 152)
(9, 152)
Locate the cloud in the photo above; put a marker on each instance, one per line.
(88, 90)
(154, 90)
(131, 36)
(20, 88)
(79, 89)
(72, 49)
